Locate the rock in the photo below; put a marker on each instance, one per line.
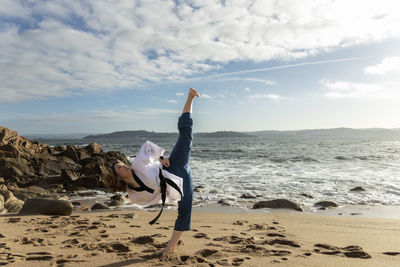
(358, 188)
(247, 196)
(32, 192)
(1, 180)
(325, 204)
(277, 204)
(71, 152)
(90, 150)
(93, 148)
(1, 203)
(76, 203)
(99, 206)
(117, 200)
(6, 135)
(92, 166)
(223, 202)
(118, 197)
(116, 203)
(68, 175)
(11, 203)
(85, 182)
(14, 167)
(198, 188)
(306, 195)
(46, 207)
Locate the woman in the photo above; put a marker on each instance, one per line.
(153, 179)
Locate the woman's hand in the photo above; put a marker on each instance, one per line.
(164, 161)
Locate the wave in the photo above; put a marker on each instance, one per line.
(293, 159)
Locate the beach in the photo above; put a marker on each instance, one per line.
(124, 238)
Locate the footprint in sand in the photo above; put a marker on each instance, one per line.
(283, 242)
(201, 235)
(143, 240)
(39, 256)
(256, 227)
(391, 253)
(162, 228)
(349, 251)
(240, 222)
(14, 220)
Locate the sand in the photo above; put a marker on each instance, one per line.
(124, 238)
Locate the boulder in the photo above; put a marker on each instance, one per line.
(90, 150)
(71, 152)
(93, 148)
(117, 200)
(68, 175)
(10, 167)
(32, 192)
(99, 206)
(357, 189)
(46, 206)
(1, 204)
(76, 203)
(277, 204)
(92, 165)
(85, 182)
(325, 204)
(6, 135)
(11, 203)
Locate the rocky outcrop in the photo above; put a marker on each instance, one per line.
(24, 163)
(34, 170)
(46, 206)
(277, 204)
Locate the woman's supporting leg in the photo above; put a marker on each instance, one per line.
(179, 160)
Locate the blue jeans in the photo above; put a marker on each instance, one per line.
(179, 165)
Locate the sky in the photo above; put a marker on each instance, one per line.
(79, 66)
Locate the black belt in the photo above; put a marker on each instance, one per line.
(163, 186)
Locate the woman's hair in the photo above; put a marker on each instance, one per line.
(112, 181)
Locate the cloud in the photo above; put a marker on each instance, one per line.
(267, 96)
(60, 48)
(205, 96)
(109, 115)
(247, 89)
(172, 101)
(346, 89)
(180, 94)
(388, 65)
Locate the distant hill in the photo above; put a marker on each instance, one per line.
(131, 134)
(146, 134)
(332, 133)
(374, 133)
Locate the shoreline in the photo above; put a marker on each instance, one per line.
(124, 238)
(362, 211)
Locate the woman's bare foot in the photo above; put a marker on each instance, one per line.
(193, 92)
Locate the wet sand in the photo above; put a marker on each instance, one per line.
(124, 238)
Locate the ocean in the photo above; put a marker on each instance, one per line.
(225, 169)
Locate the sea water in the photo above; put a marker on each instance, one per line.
(225, 169)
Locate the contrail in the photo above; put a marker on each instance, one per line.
(273, 68)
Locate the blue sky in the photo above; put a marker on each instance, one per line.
(101, 66)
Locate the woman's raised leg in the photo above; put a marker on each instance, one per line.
(179, 165)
